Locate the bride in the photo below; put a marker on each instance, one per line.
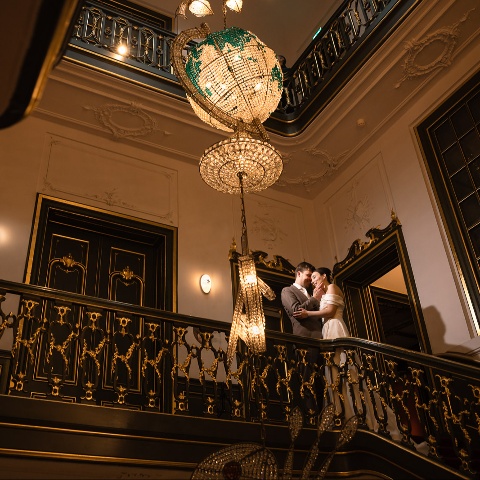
(331, 310)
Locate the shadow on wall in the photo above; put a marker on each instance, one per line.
(436, 332)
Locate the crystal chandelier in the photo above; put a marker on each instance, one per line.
(248, 317)
(238, 73)
(257, 161)
(256, 462)
(234, 82)
(231, 75)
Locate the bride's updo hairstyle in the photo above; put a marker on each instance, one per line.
(325, 271)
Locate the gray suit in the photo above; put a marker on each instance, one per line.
(293, 299)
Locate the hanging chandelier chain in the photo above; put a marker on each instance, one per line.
(245, 249)
(224, 10)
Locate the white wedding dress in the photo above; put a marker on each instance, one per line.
(335, 328)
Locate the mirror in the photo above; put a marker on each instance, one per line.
(381, 300)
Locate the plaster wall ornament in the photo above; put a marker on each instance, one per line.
(47, 185)
(328, 164)
(286, 157)
(111, 198)
(267, 227)
(122, 120)
(358, 213)
(428, 46)
(72, 169)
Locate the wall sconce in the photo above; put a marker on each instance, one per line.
(205, 283)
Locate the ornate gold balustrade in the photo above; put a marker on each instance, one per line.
(78, 349)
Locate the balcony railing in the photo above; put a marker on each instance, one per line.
(347, 40)
(98, 352)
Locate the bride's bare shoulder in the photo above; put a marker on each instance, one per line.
(332, 288)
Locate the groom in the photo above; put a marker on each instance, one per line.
(296, 296)
(293, 297)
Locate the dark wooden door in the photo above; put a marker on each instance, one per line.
(90, 252)
(93, 253)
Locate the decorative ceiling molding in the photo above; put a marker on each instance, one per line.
(446, 35)
(286, 157)
(106, 117)
(329, 163)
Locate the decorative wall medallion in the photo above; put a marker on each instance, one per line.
(428, 46)
(268, 229)
(112, 117)
(358, 212)
(329, 164)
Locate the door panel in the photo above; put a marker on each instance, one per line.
(98, 254)
(91, 252)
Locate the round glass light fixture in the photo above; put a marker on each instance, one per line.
(259, 163)
(205, 283)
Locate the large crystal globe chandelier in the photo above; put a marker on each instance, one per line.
(238, 73)
(234, 82)
(231, 74)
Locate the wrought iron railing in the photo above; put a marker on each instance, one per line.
(104, 28)
(345, 42)
(88, 350)
(349, 26)
(313, 80)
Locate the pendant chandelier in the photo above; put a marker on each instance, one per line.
(257, 161)
(248, 317)
(234, 82)
(232, 79)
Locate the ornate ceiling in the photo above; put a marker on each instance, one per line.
(425, 46)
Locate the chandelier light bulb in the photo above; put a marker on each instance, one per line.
(122, 49)
(200, 8)
(235, 5)
(255, 330)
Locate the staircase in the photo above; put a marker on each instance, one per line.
(171, 401)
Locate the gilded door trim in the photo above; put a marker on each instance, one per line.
(35, 229)
(360, 256)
